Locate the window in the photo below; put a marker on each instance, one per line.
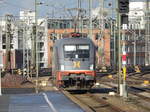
(76, 51)
(70, 48)
(83, 47)
(3, 38)
(3, 46)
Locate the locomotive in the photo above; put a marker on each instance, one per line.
(74, 63)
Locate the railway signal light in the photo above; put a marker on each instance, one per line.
(124, 19)
(124, 58)
(75, 35)
(123, 6)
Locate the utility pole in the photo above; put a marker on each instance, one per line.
(123, 87)
(114, 36)
(8, 42)
(102, 15)
(33, 51)
(25, 52)
(119, 51)
(148, 29)
(79, 15)
(36, 48)
(147, 40)
(90, 20)
(101, 19)
(123, 9)
(134, 43)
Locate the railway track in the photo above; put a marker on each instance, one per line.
(141, 89)
(138, 78)
(91, 103)
(133, 80)
(140, 100)
(132, 90)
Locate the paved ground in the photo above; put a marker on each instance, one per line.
(42, 102)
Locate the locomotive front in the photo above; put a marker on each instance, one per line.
(75, 63)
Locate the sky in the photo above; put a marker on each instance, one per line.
(48, 6)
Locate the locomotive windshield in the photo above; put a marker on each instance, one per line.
(76, 51)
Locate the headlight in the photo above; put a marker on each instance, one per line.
(91, 67)
(62, 67)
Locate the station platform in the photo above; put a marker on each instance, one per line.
(53, 101)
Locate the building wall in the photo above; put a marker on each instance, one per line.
(14, 34)
(28, 16)
(16, 59)
(137, 14)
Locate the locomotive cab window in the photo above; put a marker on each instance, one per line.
(70, 48)
(76, 51)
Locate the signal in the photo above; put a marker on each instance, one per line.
(123, 6)
(75, 34)
(124, 19)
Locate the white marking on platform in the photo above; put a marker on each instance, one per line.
(49, 102)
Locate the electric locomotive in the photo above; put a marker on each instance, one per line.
(74, 63)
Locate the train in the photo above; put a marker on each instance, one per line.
(74, 63)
